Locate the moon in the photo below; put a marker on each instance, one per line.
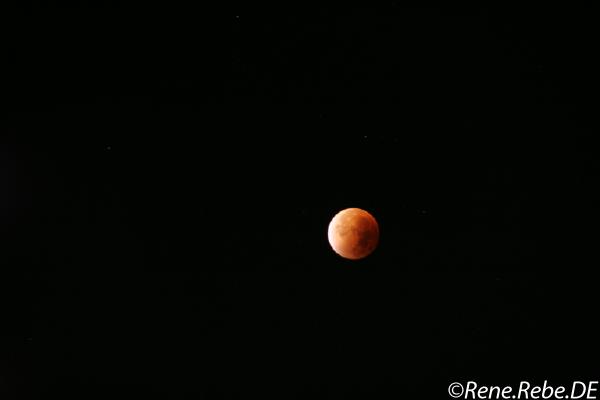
(353, 233)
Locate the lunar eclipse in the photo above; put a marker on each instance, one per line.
(353, 233)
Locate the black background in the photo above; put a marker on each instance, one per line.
(168, 176)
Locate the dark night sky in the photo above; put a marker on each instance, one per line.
(166, 189)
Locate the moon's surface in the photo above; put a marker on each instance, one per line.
(353, 233)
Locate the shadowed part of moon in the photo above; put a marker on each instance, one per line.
(353, 233)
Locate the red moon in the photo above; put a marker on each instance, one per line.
(353, 233)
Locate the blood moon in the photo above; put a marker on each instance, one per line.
(353, 233)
